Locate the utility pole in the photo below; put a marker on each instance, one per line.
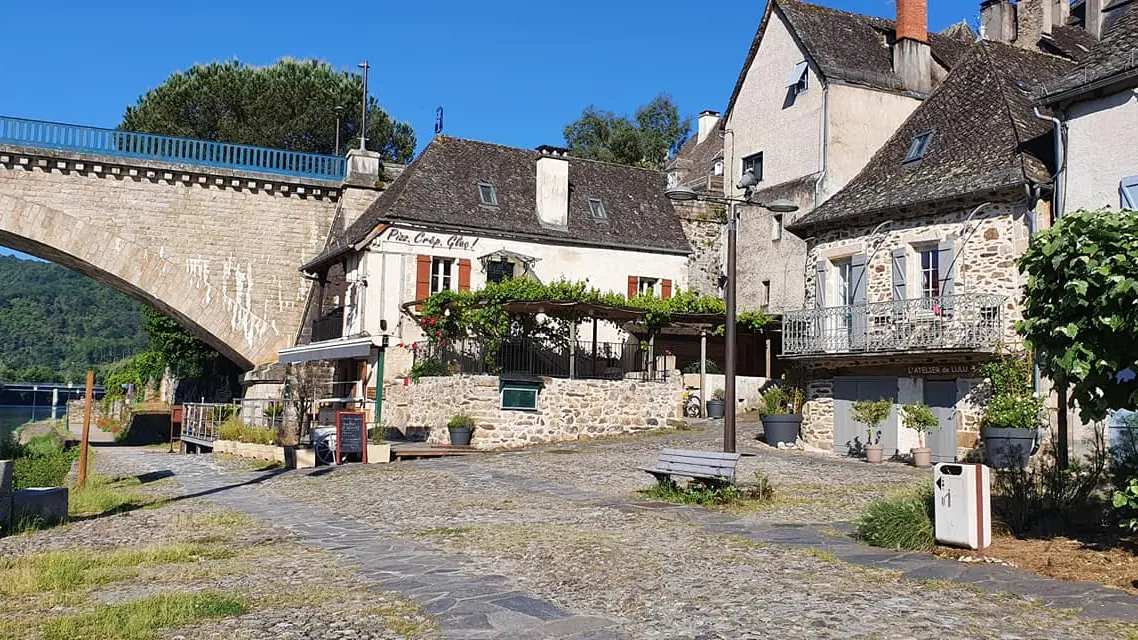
(363, 109)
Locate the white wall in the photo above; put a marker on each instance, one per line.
(1102, 139)
(861, 121)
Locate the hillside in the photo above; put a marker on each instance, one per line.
(55, 323)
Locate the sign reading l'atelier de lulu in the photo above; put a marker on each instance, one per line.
(934, 370)
(452, 241)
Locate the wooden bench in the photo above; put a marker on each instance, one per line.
(708, 467)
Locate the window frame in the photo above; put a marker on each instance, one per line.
(501, 264)
(437, 262)
(717, 167)
(919, 147)
(843, 281)
(519, 387)
(929, 277)
(597, 209)
(653, 288)
(765, 293)
(778, 225)
(752, 158)
(493, 191)
(1128, 193)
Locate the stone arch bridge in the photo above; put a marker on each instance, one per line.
(212, 234)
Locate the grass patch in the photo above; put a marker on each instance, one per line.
(900, 523)
(102, 495)
(446, 532)
(140, 619)
(404, 619)
(713, 495)
(61, 572)
(824, 556)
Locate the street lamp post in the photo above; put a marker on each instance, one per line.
(747, 183)
(339, 112)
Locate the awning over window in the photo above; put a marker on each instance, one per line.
(327, 350)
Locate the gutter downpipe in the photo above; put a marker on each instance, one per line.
(1058, 200)
(825, 144)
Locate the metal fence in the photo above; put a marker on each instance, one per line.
(964, 322)
(203, 420)
(130, 144)
(328, 328)
(601, 360)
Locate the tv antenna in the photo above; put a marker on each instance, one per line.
(438, 121)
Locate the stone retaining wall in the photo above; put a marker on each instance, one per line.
(567, 409)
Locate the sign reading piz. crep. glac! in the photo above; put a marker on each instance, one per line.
(434, 240)
(351, 434)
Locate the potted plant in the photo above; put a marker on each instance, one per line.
(1009, 427)
(780, 415)
(872, 413)
(716, 407)
(460, 428)
(920, 418)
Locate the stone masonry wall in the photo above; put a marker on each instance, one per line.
(703, 224)
(218, 249)
(567, 409)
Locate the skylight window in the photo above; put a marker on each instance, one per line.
(488, 194)
(597, 208)
(919, 146)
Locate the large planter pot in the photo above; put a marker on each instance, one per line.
(781, 428)
(458, 436)
(715, 408)
(874, 453)
(922, 457)
(1005, 448)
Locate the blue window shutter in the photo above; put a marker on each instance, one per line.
(857, 272)
(945, 254)
(1128, 190)
(820, 284)
(900, 290)
(858, 324)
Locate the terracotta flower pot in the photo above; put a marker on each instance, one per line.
(922, 456)
(874, 453)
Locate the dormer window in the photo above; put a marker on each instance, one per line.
(919, 146)
(597, 208)
(487, 194)
(797, 82)
(717, 168)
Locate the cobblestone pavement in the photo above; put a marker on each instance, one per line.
(553, 543)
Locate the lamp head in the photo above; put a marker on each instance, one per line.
(781, 206)
(681, 194)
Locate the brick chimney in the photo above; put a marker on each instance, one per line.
(912, 60)
(553, 187)
(707, 121)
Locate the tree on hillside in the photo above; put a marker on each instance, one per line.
(288, 105)
(1081, 307)
(645, 140)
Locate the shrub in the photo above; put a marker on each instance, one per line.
(1013, 404)
(40, 471)
(901, 523)
(235, 429)
(920, 418)
(1126, 503)
(872, 413)
(429, 368)
(461, 421)
(775, 401)
(694, 367)
(718, 394)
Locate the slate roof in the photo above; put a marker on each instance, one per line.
(1073, 42)
(851, 47)
(1115, 57)
(439, 190)
(985, 137)
(694, 161)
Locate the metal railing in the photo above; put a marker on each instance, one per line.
(328, 328)
(203, 420)
(972, 321)
(206, 153)
(601, 360)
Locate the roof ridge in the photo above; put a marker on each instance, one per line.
(570, 157)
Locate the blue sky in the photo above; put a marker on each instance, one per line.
(509, 72)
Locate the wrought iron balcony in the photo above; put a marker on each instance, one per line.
(968, 322)
(329, 327)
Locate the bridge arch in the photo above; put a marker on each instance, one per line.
(103, 254)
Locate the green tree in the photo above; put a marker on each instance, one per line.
(287, 105)
(644, 140)
(1081, 307)
(182, 353)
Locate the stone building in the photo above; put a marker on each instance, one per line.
(820, 91)
(466, 213)
(699, 165)
(912, 281)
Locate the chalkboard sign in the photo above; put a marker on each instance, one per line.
(351, 434)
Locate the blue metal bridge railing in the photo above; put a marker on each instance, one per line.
(130, 144)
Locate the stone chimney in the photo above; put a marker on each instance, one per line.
(553, 187)
(1060, 11)
(998, 21)
(707, 121)
(1033, 21)
(1093, 17)
(912, 60)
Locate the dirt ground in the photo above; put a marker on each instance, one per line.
(1111, 561)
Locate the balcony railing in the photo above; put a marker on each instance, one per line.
(206, 153)
(328, 328)
(601, 360)
(968, 322)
